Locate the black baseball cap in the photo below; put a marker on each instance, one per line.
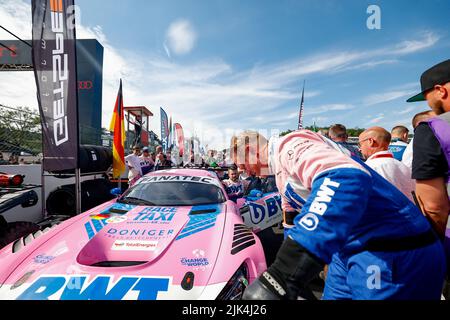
(439, 74)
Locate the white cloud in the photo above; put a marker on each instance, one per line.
(368, 65)
(428, 39)
(166, 49)
(320, 121)
(407, 110)
(387, 96)
(377, 119)
(327, 108)
(181, 37)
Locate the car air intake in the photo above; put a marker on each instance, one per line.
(117, 264)
(118, 211)
(203, 211)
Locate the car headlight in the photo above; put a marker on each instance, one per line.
(235, 287)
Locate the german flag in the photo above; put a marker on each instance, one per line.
(118, 127)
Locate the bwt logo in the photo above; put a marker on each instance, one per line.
(85, 85)
(100, 288)
(320, 205)
(258, 212)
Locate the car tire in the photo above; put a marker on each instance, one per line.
(16, 230)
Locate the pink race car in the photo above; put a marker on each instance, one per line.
(174, 235)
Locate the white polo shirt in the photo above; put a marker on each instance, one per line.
(394, 171)
(408, 155)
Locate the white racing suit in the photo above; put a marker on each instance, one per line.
(377, 243)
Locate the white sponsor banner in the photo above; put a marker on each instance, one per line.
(134, 245)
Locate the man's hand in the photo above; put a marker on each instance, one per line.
(292, 271)
(433, 199)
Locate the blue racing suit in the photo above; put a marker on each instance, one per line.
(376, 241)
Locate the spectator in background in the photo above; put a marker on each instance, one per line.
(191, 162)
(210, 159)
(374, 145)
(399, 141)
(162, 162)
(2, 161)
(338, 133)
(235, 187)
(147, 163)
(169, 158)
(133, 163)
(13, 159)
(323, 132)
(418, 118)
(227, 162)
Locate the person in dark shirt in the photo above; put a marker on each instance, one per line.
(431, 154)
(431, 149)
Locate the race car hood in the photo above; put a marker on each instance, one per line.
(119, 251)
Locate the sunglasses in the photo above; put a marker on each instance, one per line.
(360, 142)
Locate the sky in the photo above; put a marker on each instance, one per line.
(220, 66)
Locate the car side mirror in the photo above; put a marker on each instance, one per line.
(116, 192)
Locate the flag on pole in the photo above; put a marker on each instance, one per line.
(55, 71)
(118, 127)
(164, 130)
(300, 116)
(170, 133)
(180, 137)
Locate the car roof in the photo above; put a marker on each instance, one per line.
(184, 172)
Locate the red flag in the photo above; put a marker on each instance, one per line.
(180, 138)
(117, 125)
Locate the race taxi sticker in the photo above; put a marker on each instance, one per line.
(134, 245)
(156, 215)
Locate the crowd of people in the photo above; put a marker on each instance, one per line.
(141, 161)
(14, 159)
(373, 217)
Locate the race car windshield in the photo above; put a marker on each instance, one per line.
(173, 194)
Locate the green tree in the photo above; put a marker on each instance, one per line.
(352, 132)
(284, 133)
(21, 126)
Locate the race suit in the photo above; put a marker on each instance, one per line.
(377, 242)
(236, 189)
